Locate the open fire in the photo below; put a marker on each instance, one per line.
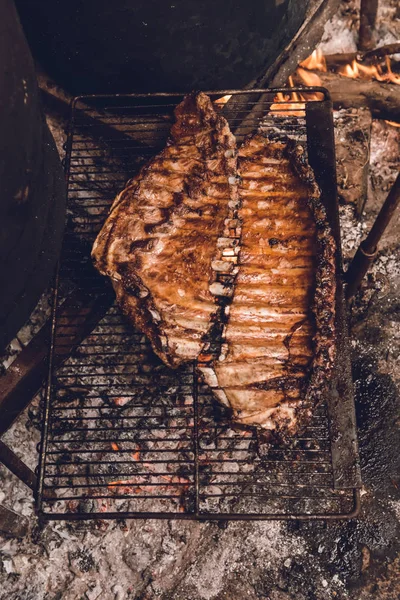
(354, 70)
(308, 73)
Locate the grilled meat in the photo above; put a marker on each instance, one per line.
(159, 242)
(240, 276)
(278, 342)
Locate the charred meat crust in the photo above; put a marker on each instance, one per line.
(323, 307)
(302, 385)
(187, 184)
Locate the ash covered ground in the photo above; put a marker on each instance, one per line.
(172, 560)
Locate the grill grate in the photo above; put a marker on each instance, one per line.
(124, 435)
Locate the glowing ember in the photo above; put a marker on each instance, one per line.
(121, 400)
(171, 479)
(124, 487)
(114, 446)
(136, 455)
(72, 505)
(119, 482)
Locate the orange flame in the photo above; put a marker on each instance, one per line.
(293, 103)
(359, 71)
(356, 70)
(286, 104)
(353, 70)
(223, 100)
(308, 78)
(391, 76)
(289, 104)
(315, 62)
(114, 446)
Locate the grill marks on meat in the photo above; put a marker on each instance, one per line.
(278, 342)
(240, 277)
(159, 242)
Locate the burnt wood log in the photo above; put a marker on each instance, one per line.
(382, 99)
(336, 61)
(368, 12)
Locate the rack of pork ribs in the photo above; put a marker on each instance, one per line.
(222, 254)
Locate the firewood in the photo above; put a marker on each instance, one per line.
(382, 99)
(368, 12)
(336, 61)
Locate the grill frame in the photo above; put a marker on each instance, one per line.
(344, 457)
